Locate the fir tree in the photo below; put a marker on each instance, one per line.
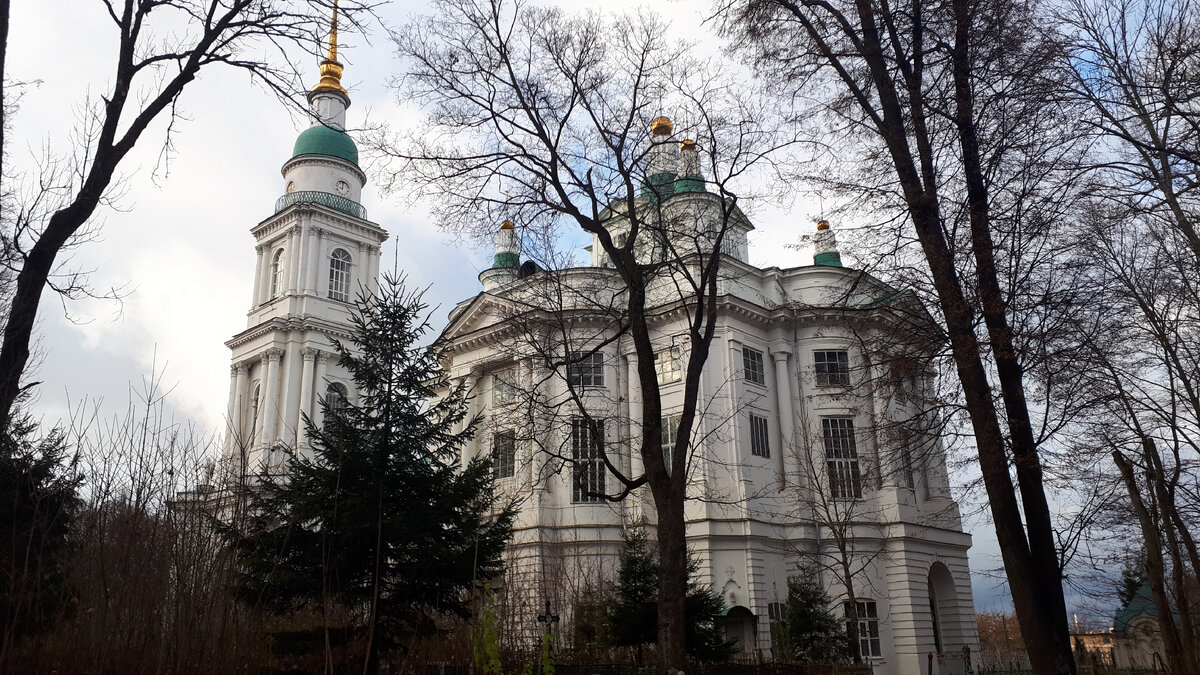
(633, 613)
(815, 634)
(382, 522)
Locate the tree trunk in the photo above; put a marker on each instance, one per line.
(672, 589)
(1155, 570)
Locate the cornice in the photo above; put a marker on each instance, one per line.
(324, 160)
(290, 217)
(306, 323)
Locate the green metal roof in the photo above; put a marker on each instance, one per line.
(1141, 603)
(323, 140)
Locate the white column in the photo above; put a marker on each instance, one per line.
(783, 394)
(316, 244)
(470, 449)
(237, 412)
(230, 409)
(360, 270)
(294, 255)
(319, 387)
(291, 375)
(309, 355)
(373, 269)
(256, 296)
(270, 386)
(636, 465)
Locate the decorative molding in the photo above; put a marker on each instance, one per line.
(273, 354)
(310, 353)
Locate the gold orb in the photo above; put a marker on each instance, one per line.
(688, 146)
(822, 225)
(661, 126)
(507, 225)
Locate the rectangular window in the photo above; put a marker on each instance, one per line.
(586, 449)
(504, 386)
(841, 456)
(867, 616)
(670, 429)
(833, 368)
(586, 369)
(752, 365)
(668, 365)
(504, 454)
(760, 442)
(907, 478)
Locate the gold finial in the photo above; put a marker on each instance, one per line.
(822, 225)
(507, 225)
(661, 126)
(688, 146)
(331, 68)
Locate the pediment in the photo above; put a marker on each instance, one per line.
(478, 319)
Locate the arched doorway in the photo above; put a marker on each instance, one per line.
(739, 624)
(943, 600)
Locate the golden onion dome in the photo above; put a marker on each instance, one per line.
(507, 225)
(661, 126)
(688, 146)
(822, 225)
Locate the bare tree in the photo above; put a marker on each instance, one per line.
(944, 106)
(545, 120)
(162, 46)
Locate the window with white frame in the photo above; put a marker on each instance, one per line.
(586, 452)
(504, 454)
(277, 274)
(760, 441)
(586, 369)
(669, 430)
(866, 615)
(841, 457)
(504, 386)
(832, 368)
(752, 365)
(339, 275)
(668, 365)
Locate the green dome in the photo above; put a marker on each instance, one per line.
(323, 140)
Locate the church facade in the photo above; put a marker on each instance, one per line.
(812, 448)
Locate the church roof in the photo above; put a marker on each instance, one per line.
(1142, 602)
(322, 140)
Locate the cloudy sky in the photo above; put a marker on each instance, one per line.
(176, 242)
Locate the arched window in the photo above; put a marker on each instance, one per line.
(336, 399)
(277, 274)
(339, 275)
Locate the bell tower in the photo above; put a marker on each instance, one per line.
(316, 253)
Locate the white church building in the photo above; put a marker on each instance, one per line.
(805, 453)
(812, 447)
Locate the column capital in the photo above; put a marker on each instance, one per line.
(273, 354)
(311, 353)
(295, 230)
(259, 248)
(238, 368)
(780, 355)
(319, 231)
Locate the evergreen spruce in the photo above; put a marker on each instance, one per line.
(815, 634)
(633, 613)
(382, 524)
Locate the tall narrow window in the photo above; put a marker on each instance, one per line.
(670, 430)
(504, 454)
(752, 365)
(586, 448)
(832, 368)
(841, 456)
(339, 275)
(253, 431)
(760, 442)
(668, 365)
(277, 274)
(867, 615)
(586, 369)
(336, 400)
